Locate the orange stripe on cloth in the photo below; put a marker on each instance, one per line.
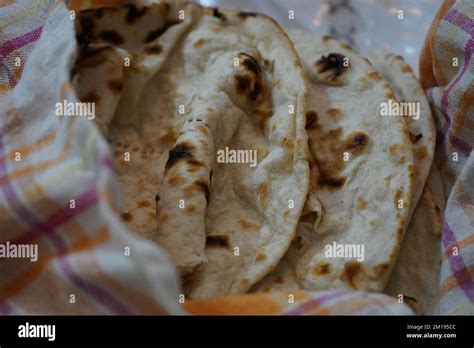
(139, 299)
(451, 282)
(34, 194)
(5, 3)
(249, 304)
(37, 298)
(36, 167)
(25, 150)
(4, 88)
(465, 201)
(462, 112)
(429, 77)
(461, 244)
(42, 142)
(23, 280)
(75, 231)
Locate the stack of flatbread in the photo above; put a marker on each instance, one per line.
(259, 159)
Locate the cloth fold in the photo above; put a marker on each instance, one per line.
(446, 72)
(58, 193)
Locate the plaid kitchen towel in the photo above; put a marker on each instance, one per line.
(58, 194)
(447, 74)
(58, 190)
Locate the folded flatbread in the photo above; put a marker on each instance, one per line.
(198, 82)
(416, 272)
(361, 175)
(420, 125)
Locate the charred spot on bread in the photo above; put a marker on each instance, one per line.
(250, 63)
(311, 119)
(134, 12)
(84, 29)
(115, 85)
(216, 13)
(217, 241)
(245, 85)
(331, 68)
(112, 36)
(250, 82)
(356, 142)
(152, 35)
(126, 216)
(154, 49)
(204, 187)
(415, 138)
(256, 90)
(331, 182)
(181, 151)
(91, 97)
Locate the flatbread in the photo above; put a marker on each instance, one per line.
(359, 199)
(121, 49)
(416, 273)
(422, 131)
(199, 81)
(254, 209)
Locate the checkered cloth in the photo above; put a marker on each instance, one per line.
(90, 264)
(447, 71)
(58, 189)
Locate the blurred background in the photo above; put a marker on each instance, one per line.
(371, 26)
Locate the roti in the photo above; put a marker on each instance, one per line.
(421, 246)
(198, 84)
(420, 125)
(361, 176)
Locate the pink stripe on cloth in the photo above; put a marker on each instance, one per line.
(39, 229)
(107, 162)
(460, 20)
(456, 263)
(102, 296)
(460, 144)
(18, 42)
(6, 309)
(469, 49)
(317, 301)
